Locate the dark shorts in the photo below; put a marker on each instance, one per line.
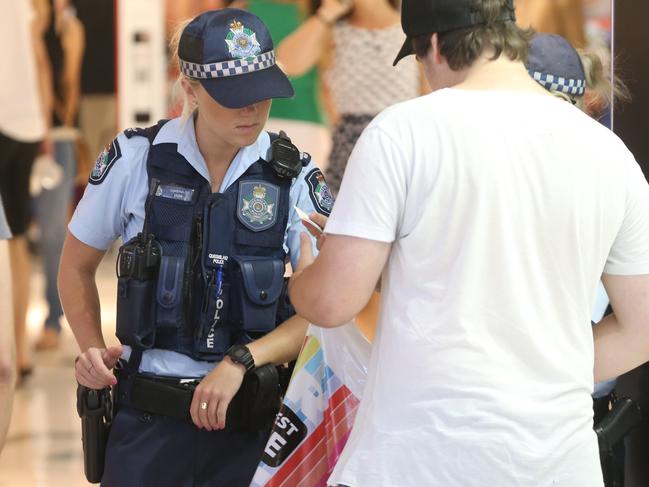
(147, 450)
(16, 160)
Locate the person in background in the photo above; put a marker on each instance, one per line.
(65, 45)
(301, 116)
(97, 103)
(177, 11)
(490, 209)
(353, 42)
(25, 108)
(562, 17)
(7, 342)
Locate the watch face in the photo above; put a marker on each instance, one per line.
(239, 354)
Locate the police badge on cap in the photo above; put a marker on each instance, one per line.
(231, 53)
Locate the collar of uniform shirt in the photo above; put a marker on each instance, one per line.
(181, 132)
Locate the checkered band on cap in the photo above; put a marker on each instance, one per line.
(574, 87)
(228, 68)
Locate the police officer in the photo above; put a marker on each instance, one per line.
(205, 204)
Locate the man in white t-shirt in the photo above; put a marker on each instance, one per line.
(491, 209)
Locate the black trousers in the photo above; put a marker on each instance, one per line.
(149, 450)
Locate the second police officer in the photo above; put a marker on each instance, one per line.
(206, 205)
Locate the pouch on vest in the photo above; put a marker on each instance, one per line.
(137, 268)
(172, 220)
(135, 312)
(257, 402)
(170, 291)
(257, 284)
(137, 264)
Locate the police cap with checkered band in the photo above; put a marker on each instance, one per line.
(230, 52)
(421, 17)
(556, 65)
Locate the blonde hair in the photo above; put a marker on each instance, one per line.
(600, 91)
(178, 93)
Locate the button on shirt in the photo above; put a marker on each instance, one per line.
(115, 208)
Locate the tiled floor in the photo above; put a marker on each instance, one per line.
(44, 443)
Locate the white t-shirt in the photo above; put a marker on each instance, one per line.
(503, 208)
(21, 115)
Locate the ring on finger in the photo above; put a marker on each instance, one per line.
(203, 405)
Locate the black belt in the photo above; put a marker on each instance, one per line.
(164, 396)
(253, 407)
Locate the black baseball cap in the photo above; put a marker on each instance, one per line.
(419, 17)
(231, 53)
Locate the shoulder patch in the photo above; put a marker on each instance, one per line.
(108, 157)
(319, 192)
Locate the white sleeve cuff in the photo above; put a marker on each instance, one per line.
(360, 230)
(87, 237)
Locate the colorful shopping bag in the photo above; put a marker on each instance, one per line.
(319, 408)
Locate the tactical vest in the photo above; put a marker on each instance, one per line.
(216, 259)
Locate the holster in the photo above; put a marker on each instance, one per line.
(258, 400)
(623, 417)
(95, 408)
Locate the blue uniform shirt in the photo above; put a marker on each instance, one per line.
(115, 208)
(601, 303)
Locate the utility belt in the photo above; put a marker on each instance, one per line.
(252, 408)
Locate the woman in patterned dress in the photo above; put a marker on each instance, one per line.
(354, 43)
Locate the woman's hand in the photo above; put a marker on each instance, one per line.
(93, 367)
(213, 395)
(332, 10)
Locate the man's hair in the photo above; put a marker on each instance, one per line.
(462, 47)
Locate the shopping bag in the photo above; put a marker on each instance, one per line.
(318, 411)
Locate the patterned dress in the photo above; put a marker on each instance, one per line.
(363, 82)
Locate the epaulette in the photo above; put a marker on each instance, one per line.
(148, 132)
(132, 132)
(305, 157)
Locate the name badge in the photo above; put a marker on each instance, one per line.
(175, 192)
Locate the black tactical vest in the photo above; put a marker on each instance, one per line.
(216, 260)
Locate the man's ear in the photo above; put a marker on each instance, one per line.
(435, 53)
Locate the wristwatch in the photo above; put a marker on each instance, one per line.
(240, 354)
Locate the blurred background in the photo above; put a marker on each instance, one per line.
(106, 67)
